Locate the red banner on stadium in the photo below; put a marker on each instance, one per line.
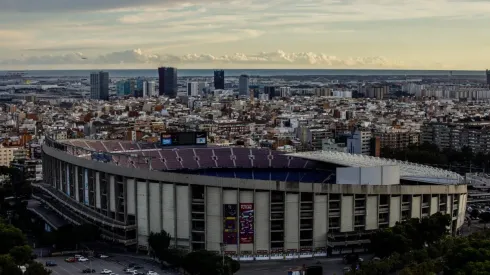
(246, 223)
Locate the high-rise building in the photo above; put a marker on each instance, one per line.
(270, 91)
(148, 88)
(360, 143)
(488, 77)
(139, 84)
(243, 85)
(167, 80)
(285, 91)
(120, 87)
(219, 80)
(99, 85)
(192, 88)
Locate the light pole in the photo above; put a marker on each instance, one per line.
(222, 248)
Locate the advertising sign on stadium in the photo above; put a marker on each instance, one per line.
(230, 224)
(246, 223)
(184, 138)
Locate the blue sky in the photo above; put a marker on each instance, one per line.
(88, 34)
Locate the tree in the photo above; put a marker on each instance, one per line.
(485, 217)
(174, 257)
(8, 266)
(21, 254)
(202, 263)
(36, 268)
(10, 237)
(209, 263)
(159, 243)
(474, 213)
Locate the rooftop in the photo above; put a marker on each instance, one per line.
(408, 171)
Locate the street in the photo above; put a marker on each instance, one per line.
(331, 266)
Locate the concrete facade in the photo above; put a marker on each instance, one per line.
(288, 219)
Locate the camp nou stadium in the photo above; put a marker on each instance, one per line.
(250, 203)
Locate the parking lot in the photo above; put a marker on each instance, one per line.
(115, 264)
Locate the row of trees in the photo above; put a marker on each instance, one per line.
(425, 247)
(15, 252)
(194, 263)
(461, 161)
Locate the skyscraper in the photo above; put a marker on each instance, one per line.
(488, 77)
(167, 79)
(148, 88)
(219, 80)
(243, 85)
(192, 88)
(270, 91)
(99, 85)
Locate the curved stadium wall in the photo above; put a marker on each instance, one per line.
(128, 197)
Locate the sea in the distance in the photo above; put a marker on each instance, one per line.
(252, 72)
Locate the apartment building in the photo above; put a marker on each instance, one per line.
(312, 138)
(360, 142)
(457, 135)
(398, 139)
(7, 155)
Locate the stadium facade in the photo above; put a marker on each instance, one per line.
(250, 203)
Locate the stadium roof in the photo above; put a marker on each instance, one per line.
(408, 171)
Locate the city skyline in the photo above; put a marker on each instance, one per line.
(281, 34)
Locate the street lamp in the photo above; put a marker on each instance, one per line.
(222, 247)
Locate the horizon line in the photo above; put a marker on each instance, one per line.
(268, 69)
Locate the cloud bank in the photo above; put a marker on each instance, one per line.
(138, 57)
(74, 5)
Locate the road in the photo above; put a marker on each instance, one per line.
(331, 266)
(118, 262)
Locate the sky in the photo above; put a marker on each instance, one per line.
(282, 34)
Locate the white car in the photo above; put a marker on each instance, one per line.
(129, 270)
(151, 273)
(78, 256)
(106, 271)
(82, 259)
(103, 256)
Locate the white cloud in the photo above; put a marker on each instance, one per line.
(214, 26)
(280, 58)
(85, 5)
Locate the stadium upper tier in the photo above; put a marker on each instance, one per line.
(408, 171)
(191, 159)
(150, 156)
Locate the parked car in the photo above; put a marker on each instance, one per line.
(50, 263)
(105, 271)
(82, 259)
(151, 273)
(88, 270)
(70, 260)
